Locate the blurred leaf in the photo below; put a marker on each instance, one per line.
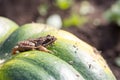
(86, 8)
(43, 9)
(113, 14)
(74, 20)
(117, 61)
(63, 4)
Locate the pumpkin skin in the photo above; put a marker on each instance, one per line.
(84, 58)
(37, 65)
(6, 28)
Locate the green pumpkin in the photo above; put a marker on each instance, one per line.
(71, 58)
(6, 28)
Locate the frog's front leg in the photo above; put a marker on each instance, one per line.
(15, 49)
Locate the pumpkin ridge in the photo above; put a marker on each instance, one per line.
(52, 64)
(25, 71)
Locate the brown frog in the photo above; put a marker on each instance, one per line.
(34, 44)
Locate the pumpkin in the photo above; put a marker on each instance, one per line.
(71, 58)
(6, 28)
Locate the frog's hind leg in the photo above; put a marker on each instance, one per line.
(15, 50)
(42, 48)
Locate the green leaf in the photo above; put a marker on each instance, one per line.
(63, 4)
(43, 9)
(74, 20)
(113, 14)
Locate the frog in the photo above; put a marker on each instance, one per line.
(40, 44)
